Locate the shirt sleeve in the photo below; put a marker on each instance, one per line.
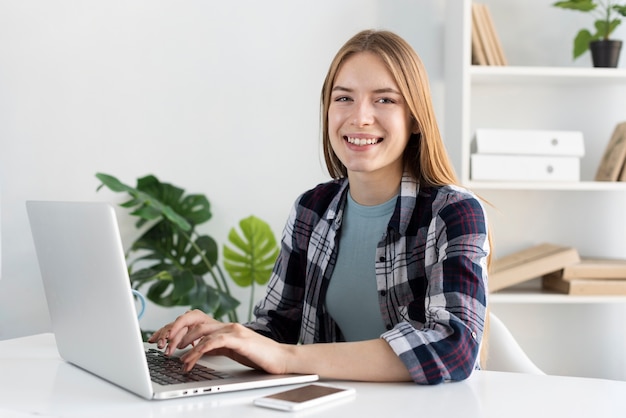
(445, 346)
(279, 313)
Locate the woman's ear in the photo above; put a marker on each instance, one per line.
(415, 129)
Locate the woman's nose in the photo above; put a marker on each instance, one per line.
(363, 114)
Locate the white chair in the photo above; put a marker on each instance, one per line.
(503, 351)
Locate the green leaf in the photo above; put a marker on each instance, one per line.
(169, 246)
(234, 257)
(149, 213)
(208, 251)
(620, 9)
(581, 42)
(140, 277)
(581, 5)
(226, 304)
(212, 301)
(146, 196)
(239, 242)
(112, 183)
(196, 209)
(605, 28)
(159, 293)
(254, 253)
(184, 282)
(131, 203)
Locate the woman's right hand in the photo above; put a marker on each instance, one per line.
(169, 337)
(210, 336)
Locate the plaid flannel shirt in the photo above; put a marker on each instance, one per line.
(430, 270)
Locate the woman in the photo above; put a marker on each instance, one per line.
(386, 264)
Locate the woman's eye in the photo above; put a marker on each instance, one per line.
(386, 100)
(341, 99)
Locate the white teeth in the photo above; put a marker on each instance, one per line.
(362, 141)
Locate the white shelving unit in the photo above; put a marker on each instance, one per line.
(592, 100)
(468, 85)
(588, 215)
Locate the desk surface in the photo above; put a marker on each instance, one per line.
(37, 382)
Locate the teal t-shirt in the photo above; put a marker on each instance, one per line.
(352, 298)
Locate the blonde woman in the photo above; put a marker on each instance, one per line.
(382, 274)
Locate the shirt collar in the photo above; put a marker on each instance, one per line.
(405, 206)
(402, 214)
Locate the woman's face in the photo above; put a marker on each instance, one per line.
(368, 120)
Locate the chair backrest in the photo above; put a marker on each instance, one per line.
(504, 352)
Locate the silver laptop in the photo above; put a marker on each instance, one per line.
(93, 313)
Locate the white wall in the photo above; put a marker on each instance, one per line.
(220, 98)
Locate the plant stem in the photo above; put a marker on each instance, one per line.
(607, 18)
(205, 261)
(251, 305)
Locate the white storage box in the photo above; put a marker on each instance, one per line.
(529, 142)
(524, 168)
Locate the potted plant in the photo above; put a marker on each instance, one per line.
(608, 16)
(174, 260)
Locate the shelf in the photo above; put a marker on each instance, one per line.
(546, 297)
(552, 75)
(536, 185)
(532, 292)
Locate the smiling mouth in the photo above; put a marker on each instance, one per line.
(362, 141)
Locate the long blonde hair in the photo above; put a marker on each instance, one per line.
(425, 156)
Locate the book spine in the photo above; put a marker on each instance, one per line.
(612, 162)
(478, 52)
(622, 176)
(493, 34)
(584, 287)
(596, 268)
(554, 282)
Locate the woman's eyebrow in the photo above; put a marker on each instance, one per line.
(341, 88)
(386, 90)
(377, 91)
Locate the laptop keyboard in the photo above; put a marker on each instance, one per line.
(166, 370)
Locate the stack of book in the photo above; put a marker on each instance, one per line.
(526, 155)
(613, 164)
(561, 269)
(486, 46)
(591, 276)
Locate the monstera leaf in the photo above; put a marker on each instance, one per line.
(153, 200)
(252, 257)
(171, 257)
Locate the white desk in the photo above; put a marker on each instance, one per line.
(36, 382)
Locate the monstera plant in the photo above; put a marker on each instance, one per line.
(178, 265)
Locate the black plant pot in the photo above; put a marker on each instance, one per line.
(605, 53)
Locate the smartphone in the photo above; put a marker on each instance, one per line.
(304, 397)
